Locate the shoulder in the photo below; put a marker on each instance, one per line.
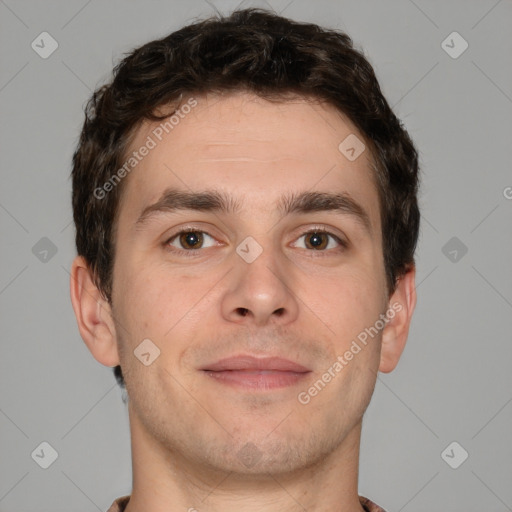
(119, 505)
(369, 505)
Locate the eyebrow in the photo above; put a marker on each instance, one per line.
(173, 200)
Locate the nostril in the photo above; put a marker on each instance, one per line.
(243, 311)
(279, 312)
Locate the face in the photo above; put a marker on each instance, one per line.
(254, 292)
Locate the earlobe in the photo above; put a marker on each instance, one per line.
(400, 310)
(93, 314)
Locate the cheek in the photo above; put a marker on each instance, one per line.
(162, 306)
(348, 304)
(155, 305)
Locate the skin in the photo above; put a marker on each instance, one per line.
(300, 303)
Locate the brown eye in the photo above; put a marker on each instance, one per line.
(317, 240)
(320, 241)
(190, 240)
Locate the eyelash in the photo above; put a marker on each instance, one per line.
(195, 252)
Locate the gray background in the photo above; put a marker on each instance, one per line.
(453, 382)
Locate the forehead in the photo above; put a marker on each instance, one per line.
(253, 148)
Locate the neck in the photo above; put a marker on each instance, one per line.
(165, 481)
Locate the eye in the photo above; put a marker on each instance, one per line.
(191, 239)
(320, 240)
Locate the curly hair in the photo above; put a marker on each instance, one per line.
(250, 50)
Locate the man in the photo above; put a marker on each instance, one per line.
(246, 214)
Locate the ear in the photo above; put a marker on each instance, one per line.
(93, 314)
(400, 309)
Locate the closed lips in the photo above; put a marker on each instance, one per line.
(254, 364)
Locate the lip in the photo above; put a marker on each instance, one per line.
(256, 373)
(248, 363)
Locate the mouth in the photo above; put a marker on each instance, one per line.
(256, 373)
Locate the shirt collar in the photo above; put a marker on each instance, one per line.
(120, 504)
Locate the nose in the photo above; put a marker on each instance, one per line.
(260, 293)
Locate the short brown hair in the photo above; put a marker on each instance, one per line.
(250, 50)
